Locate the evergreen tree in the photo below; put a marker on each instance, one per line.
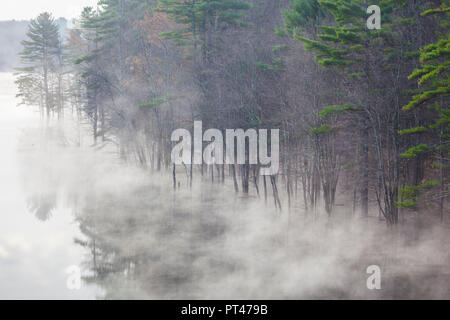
(434, 87)
(40, 58)
(200, 18)
(359, 55)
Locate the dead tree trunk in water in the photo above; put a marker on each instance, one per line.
(245, 174)
(265, 190)
(275, 192)
(233, 173)
(255, 179)
(223, 172)
(174, 176)
(364, 169)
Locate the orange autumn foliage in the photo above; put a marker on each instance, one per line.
(153, 24)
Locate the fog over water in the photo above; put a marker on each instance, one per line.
(133, 236)
(33, 254)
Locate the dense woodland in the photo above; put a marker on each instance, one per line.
(363, 114)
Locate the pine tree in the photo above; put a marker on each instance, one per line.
(348, 48)
(109, 35)
(434, 87)
(303, 15)
(201, 18)
(40, 57)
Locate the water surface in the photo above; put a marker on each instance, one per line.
(65, 202)
(34, 254)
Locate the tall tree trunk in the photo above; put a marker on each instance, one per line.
(364, 169)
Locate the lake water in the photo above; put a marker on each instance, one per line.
(65, 203)
(34, 254)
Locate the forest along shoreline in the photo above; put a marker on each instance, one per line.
(34, 254)
(145, 240)
(363, 118)
(355, 126)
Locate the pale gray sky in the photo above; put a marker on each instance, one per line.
(28, 9)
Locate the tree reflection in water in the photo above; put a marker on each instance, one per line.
(145, 240)
(151, 249)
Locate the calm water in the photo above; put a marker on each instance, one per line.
(34, 254)
(67, 203)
